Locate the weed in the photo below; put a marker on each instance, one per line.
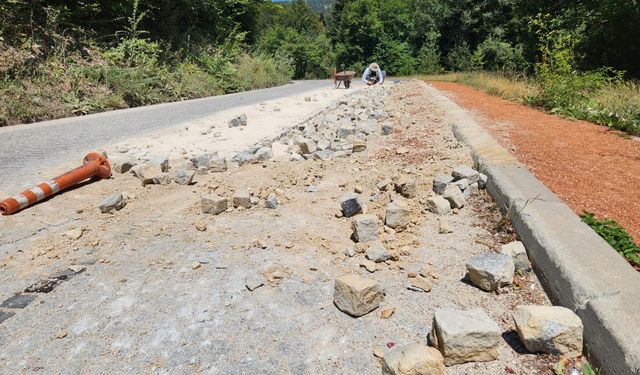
(615, 235)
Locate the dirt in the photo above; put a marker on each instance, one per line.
(591, 167)
(160, 295)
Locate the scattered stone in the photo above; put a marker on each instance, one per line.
(238, 121)
(183, 176)
(454, 195)
(377, 252)
(438, 205)
(214, 205)
(482, 181)
(218, 164)
(384, 184)
(462, 184)
(263, 154)
(195, 265)
(74, 234)
(201, 226)
(491, 271)
(112, 202)
(350, 252)
(440, 183)
(351, 205)
(465, 336)
(549, 329)
(387, 128)
(149, 173)
(444, 227)
(426, 271)
(61, 334)
(359, 146)
(254, 282)
(420, 284)
(122, 165)
(271, 201)
(397, 215)
(387, 313)
(201, 162)
(463, 171)
(307, 146)
(356, 295)
(307, 98)
(370, 266)
(77, 268)
(275, 274)
(406, 186)
(365, 228)
(242, 198)
(378, 352)
(517, 251)
(323, 155)
(244, 157)
(413, 359)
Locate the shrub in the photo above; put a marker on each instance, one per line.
(429, 59)
(496, 55)
(459, 58)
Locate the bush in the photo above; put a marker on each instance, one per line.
(459, 58)
(395, 57)
(429, 59)
(496, 55)
(261, 71)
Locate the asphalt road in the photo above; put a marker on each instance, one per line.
(27, 150)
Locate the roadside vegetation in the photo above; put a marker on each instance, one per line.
(616, 236)
(61, 58)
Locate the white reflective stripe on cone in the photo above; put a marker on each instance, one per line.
(24, 202)
(53, 185)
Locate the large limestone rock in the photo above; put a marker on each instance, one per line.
(356, 295)
(491, 271)
(517, 251)
(438, 205)
(351, 205)
(463, 171)
(406, 186)
(549, 329)
(377, 252)
(214, 205)
(413, 359)
(365, 228)
(242, 198)
(440, 183)
(454, 195)
(465, 336)
(398, 214)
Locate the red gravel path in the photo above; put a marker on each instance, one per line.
(589, 166)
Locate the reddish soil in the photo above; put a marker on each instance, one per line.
(590, 167)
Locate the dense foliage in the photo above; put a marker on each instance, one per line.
(104, 54)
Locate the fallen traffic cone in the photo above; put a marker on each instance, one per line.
(95, 165)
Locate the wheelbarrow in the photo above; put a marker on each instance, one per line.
(344, 76)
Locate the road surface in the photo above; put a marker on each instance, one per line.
(26, 150)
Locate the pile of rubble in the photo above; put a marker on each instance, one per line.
(457, 336)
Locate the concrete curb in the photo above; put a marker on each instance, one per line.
(578, 269)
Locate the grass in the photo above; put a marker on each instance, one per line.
(613, 104)
(616, 236)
